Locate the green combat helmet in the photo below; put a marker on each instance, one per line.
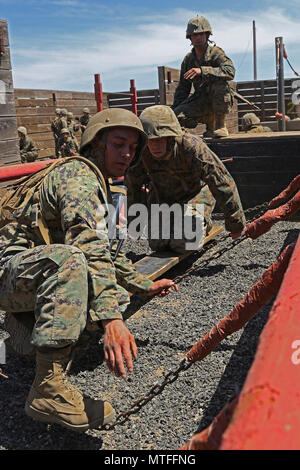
(248, 120)
(199, 24)
(22, 130)
(160, 121)
(110, 118)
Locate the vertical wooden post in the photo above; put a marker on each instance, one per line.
(254, 52)
(9, 142)
(133, 97)
(280, 82)
(98, 92)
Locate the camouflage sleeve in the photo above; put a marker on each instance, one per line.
(184, 86)
(29, 152)
(134, 180)
(222, 66)
(127, 276)
(222, 186)
(74, 192)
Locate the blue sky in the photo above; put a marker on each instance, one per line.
(61, 44)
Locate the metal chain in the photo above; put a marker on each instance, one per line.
(171, 376)
(204, 262)
(155, 390)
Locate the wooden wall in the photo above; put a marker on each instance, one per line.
(263, 93)
(35, 110)
(122, 99)
(9, 143)
(168, 79)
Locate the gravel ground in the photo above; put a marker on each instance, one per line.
(164, 330)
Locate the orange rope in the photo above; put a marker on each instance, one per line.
(258, 296)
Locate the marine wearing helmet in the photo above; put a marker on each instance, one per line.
(209, 70)
(178, 168)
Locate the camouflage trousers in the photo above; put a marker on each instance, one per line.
(207, 202)
(210, 100)
(52, 283)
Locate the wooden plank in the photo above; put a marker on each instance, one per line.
(6, 77)
(8, 127)
(156, 264)
(30, 103)
(33, 120)
(27, 93)
(9, 151)
(7, 107)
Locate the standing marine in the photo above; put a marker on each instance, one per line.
(28, 150)
(177, 167)
(208, 70)
(84, 119)
(56, 265)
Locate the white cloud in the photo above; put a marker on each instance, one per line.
(72, 62)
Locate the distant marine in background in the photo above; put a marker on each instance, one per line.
(251, 124)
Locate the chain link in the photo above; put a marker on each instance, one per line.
(154, 391)
(171, 376)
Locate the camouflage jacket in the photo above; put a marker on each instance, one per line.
(73, 202)
(84, 120)
(257, 129)
(181, 178)
(214, 65)
(68, 148)
(28, 150)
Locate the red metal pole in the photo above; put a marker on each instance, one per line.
(12, 172)
(133, 97)
(98, 92)
(267, 413)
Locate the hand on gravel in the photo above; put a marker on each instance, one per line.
(119, 346)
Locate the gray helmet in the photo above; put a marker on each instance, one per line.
(199, 24)
(109, 118)
(86, 110)
(22, 130)
(69, 115)
(160, 121)
(248, 120)
(63, 112)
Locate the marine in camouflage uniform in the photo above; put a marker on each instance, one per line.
(28, 150)
(68, 146)
(208, 70)
(251, 124)
(73, 282)
(188, 173)
(84, 119)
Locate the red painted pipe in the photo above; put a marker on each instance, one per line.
(12, 172)
(133, 97)
(267, 415)
(98, 92)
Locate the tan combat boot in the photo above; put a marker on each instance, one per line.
(210, 126)
(221, 130)
(52, 399)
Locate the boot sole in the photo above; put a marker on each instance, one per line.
(38, 415)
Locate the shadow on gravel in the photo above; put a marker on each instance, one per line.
(237, 368)
(242, 358)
